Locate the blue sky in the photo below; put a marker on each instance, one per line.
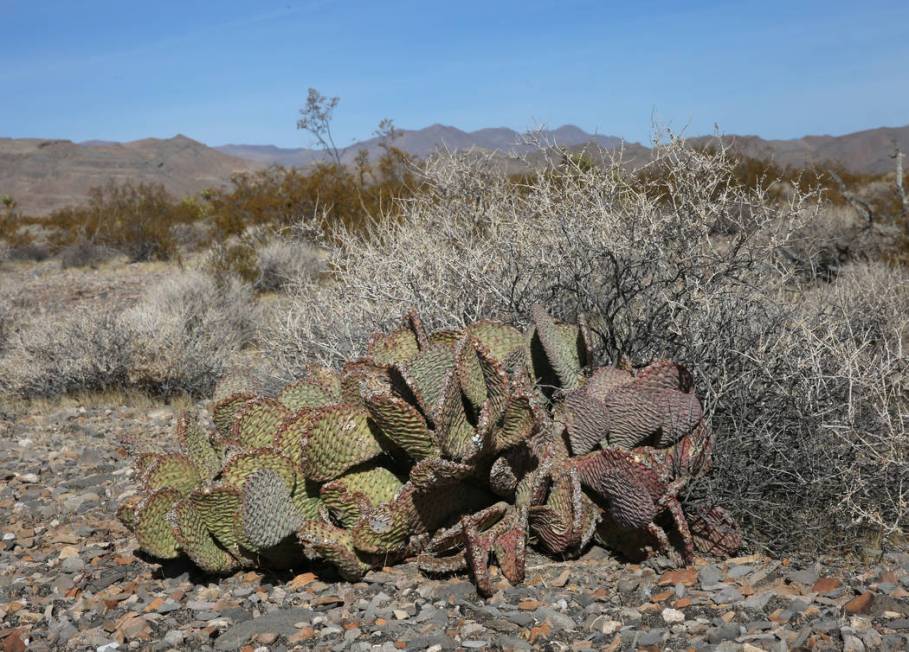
(232, 71)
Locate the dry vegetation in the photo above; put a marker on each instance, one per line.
(791, 309)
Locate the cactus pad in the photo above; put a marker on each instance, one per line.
(456, 447)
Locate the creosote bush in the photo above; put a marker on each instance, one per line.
(794, 373)
(134, 219)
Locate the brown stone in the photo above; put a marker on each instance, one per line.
(301, 580)
(826, 585)
(528, 604)
(302, 634)
(13, 642)
(681, 603)
(665, 595)
(540, 631)
(266, 638)
(684, 576)
(859, 604)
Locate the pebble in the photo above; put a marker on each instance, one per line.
(116, 601)
(671, 616)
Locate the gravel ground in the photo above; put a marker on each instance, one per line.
(70, 580)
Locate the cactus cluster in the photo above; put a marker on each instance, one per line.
(451, 447)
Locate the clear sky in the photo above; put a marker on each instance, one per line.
(237, 72)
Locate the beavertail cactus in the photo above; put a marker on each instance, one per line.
(455, 447)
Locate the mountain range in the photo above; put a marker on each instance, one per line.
(422, 142)
(43, 175)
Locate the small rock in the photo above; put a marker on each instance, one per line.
(859, 604)
(671, 616)
(72, 565)
(174, 637)
(727, 632)
(710, 575)
(727, 596)
(557, 619)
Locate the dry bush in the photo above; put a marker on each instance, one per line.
(134, 219)
(176, 340)
(267, 260)
(185, 331)
(82, 350)
(641, 255)
(83, 253)
(280, 197)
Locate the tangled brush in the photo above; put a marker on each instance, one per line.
(451, 447)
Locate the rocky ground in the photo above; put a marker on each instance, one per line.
(70, 580)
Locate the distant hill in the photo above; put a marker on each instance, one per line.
(43, 175)
(422, 142)
(863, 151)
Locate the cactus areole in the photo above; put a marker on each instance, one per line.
(454, 448)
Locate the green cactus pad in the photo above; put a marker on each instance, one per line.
(363, 374)
(517, 424)
(413, 321)
(562, 344)
(152, 527)
(425, 376)
(396, 347)
(310, 506)
(389, 528)
(457, 436)
(358, 491)
(143, 461)
(126, 512)
(173, 471)
(446, 338)
(196, 444)
(339, 438)
(435, 473)
(304, 394)
(470, 373)
(224, 411)
(498, 391)
(322, 540)
(257, 422)
(242, 465)
(289, 440)
(267, 513)
(500, 339)
(196, 541)
(218, 507)
(403, 424)
(327, 378)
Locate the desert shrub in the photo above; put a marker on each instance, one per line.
(6, 323)
(641, 256)
(333, 194)
(83, 253)
(176, 339)
(33, 251)
(135, 219)
(818, 444)
(282, 261)
(185, 330)
(82, 350)
(267, 260)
